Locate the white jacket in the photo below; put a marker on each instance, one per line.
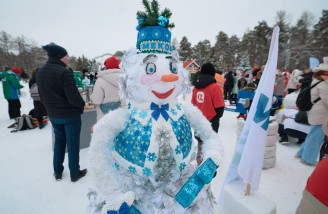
(106, 89)
(319, 111)
(294, 79)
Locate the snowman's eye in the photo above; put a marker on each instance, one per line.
(150, 68)
(173, 68)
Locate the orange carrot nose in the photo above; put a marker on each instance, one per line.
(170, 77)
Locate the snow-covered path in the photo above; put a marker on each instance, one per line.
(27, 184)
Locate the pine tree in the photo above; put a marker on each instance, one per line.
(82, 63)
(320, 34)
(262, 33)
(235, 50)
(301, 48)
(248, 47)
(283, 22)
(203, 52)
(222, 54)
(185, 50)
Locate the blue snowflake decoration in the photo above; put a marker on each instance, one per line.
(132, 169)
(129, 105)
(182, 166)
(133, 112)
(151, 156)
(178, 149)
(133, 142)
(182, 131)
(143, 114)
(117, 166)
(174, 112)
(178, 107)
(146, 171)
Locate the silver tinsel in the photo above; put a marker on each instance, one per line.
(165, 162)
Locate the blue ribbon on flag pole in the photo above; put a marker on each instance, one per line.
(159, 111)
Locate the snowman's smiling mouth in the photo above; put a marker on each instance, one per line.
(163, 95)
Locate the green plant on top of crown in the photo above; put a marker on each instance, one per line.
(151, 15)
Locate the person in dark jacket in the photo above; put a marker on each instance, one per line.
(306, 80)
(60, 96)
(39, 109)
(207, 96)
(11, 91)
(228, 85)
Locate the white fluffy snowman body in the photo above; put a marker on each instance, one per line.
(143, 154)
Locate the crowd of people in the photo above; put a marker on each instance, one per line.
(306, 126)
(59, 99)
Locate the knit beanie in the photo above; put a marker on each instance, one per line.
(17, 70)
(55, 51)
(208, 68)
(112, 62)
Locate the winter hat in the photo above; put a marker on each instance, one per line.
(208, 68)
(323, 66)
(154, 35)
(112, 62)
(55, 51)
(17, 70)
(255, 68)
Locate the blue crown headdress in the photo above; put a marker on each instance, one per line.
(154, 35)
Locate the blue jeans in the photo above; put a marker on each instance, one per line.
(67, 133)
(309, 150)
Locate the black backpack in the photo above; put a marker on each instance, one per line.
(24, 122)
(303, 101)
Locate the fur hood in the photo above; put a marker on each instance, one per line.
(107, 75)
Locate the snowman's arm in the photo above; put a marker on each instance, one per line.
(101, 162)
(212, 147)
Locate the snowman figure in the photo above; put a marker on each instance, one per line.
(142, 156)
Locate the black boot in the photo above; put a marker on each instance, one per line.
(283, 139)
(40, 121)
(300, 141)
(41, 126)
(80, 175)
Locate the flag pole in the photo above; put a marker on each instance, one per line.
(248, 189)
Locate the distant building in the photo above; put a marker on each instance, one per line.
(191, 66)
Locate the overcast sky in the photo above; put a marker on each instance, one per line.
(96, 27)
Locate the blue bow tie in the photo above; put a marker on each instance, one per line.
(124, 209)
(159, 110)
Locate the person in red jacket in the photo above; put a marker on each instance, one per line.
(315, 196)
(208, 97)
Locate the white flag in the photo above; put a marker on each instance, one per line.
(247, 161)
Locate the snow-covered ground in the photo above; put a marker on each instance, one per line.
(28, 186)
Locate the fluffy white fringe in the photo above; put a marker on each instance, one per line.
(100, 159)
